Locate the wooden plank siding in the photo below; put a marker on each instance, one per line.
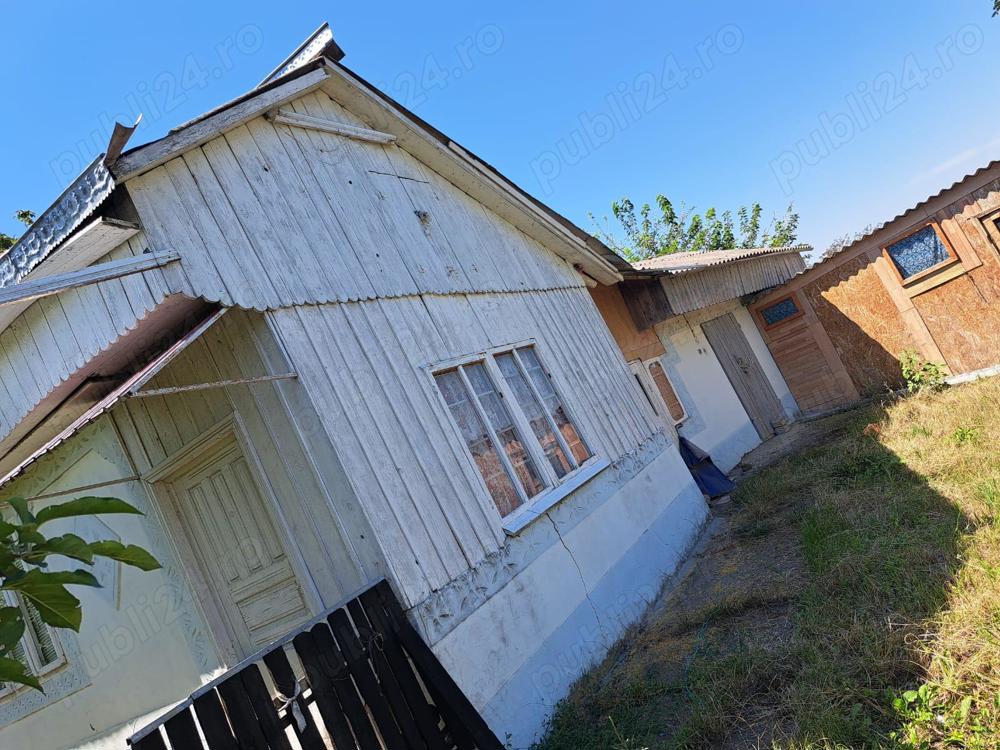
(306, 482)
(864, 315)
(365, 365)
(56, 336)
(715, 284)
(269, 215)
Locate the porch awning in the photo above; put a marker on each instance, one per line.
(95, 395)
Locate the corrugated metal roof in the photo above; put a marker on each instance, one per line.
(897, 217)
(676, 263)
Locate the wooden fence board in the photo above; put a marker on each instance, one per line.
(213, 721)
(369, 683)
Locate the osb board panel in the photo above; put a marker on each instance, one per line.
(964, 322)
(863, 322)
(635, 344)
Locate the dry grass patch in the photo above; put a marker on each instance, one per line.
(854, 601)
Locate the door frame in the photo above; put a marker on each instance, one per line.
(160, 479)
(764, 419)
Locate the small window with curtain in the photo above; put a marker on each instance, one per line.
(779, 312)
(659, 391)
(38, 648)
(919, 253)
(514, 423)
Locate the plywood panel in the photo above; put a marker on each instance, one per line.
(863, 323)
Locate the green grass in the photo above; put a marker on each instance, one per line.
(889, 636)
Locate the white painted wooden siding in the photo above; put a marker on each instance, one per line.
(365, 367)
(58, 335)
(271, 215)
(296, 459)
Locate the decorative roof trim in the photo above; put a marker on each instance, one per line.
(319, 44)
(86, 193)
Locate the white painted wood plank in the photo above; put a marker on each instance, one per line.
(297, 332)
(329, 252)
(349, 187)
(287, 117)
(262, 237)
(43, 287)
(282, 218)
(246, 271)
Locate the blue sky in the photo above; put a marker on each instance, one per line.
(854, 110)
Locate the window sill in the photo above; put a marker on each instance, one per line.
(933, 277)
(526, 514)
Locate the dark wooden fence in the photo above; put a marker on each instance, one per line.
(369, 682)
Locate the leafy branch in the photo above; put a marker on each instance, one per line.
(24, 563)
(666, 230)
(25, 217)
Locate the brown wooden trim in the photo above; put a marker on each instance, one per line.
(989, 226)
(758, 310)
(952, 255)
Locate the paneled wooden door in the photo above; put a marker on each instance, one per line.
(238, 546)
(745, 373)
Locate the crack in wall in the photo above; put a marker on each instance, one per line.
(583, 581)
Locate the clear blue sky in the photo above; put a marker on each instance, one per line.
(853, 110)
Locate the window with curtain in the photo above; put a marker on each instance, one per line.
(514, 423)
(919, 252)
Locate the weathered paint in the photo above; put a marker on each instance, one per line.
(717, 422)
(552, 620)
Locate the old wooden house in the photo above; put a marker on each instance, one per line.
(320, 344)
(691, 343)
(927, 280)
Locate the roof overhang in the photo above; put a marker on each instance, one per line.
(107, 378)
(92, 242)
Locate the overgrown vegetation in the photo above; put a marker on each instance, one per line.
(867, 614)
(648, 234)
(919, 374)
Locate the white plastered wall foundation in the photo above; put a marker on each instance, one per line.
(599, 559)
(716, 422)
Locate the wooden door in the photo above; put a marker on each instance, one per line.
(243, 561)
(745, 373)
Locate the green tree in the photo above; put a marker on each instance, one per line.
(649, 233)
(996, 7)
(25, 217)
(25, 571)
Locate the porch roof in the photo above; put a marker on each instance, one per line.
(133, 359)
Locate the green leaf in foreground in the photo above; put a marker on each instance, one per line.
(85, 506)
(67, 545)
(132, 555)
(11, 670)
(47, 592)
(11, 628)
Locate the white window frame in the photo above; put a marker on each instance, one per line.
(31, 647)
(556, 488)
(640, 368)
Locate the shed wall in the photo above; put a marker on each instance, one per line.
(863, 316)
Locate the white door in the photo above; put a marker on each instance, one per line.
(239, 549)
